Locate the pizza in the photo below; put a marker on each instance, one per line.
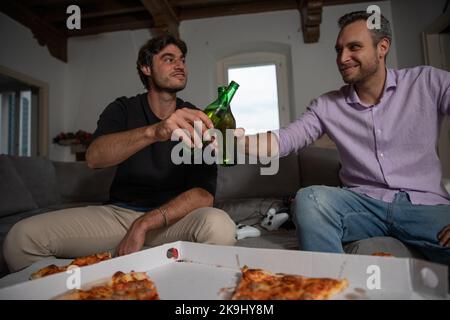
(121, 286)
(382, 254)
(80, 262)
(259, 284)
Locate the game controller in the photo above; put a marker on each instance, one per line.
(245, 231)
(274, 220)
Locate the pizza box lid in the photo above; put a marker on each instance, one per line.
(193, 271)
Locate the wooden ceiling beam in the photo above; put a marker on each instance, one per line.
(236, 8)
(164, 17)
(311, 18)
(61, 16)
(44, 32)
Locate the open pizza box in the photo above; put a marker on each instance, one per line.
(192, 271)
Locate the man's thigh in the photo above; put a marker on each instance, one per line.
(73, 232)
(419, 226)
(354, 216)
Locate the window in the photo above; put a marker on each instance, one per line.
(261, 102)
(18, 118)
(256, 110)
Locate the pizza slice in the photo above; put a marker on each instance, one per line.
(80, 262)
(122, 286)
(259, 284)
(92, 259)
(46, 271)
(382, 254)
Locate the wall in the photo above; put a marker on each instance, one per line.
(411, 18)
(102, 68)
(21, 53)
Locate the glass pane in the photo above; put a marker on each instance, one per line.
(255, 105)
(12, 123)
(25, 124)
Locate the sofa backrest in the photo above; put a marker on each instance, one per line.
(319, 166)
(78, 183)
(14, 194)
(245, 180)
(311, 166)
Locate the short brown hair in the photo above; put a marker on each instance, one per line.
(152, 47)
(377, 34)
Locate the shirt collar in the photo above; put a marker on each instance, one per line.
(391, 82)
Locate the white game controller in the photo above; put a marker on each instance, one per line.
(244, 231)
(274, 220)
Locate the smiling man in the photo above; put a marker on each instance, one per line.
(152, 200)
(385, 124)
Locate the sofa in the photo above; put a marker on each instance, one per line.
(34, 185)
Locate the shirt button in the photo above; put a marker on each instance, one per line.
(382, 155)
(379, 131)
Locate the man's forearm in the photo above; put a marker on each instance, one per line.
(112, 149)
(177, 208)
(262, 145)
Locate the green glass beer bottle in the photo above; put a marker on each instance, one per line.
(221, 116)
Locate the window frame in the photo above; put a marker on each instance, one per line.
(254, 59)
(40, 95)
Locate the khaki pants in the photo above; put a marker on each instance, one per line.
(76, 232)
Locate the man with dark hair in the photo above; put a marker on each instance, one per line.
(152, 200)
(385, 124)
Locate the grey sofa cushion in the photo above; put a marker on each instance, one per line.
(248, 211)
(277, 239)
(382, 244)
(319, 166)
(14, 195)
(79, 183)
(39, 177)
(245, 181)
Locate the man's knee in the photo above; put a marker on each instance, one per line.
(21, 244)
(216, 227)
(311, 203)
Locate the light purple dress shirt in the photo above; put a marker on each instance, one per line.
(384, 148)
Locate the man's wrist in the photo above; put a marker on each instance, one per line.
(150, 133)
(154, 219)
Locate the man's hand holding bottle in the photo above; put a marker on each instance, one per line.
(181, 124)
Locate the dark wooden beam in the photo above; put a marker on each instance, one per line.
(45, 33)
(311, 17)
(88, 13)
(235, 9)
(164, 17)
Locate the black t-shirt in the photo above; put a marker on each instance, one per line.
(149, 178)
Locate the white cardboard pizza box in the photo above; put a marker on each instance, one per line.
(210, 272)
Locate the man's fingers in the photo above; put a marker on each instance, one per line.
(444, 231)
(194, 136)
(181, 135)
(196, 115)
(239, 132)
(444, 239)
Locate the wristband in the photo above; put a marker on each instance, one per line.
(164, 214)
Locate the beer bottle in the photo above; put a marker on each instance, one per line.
(220, 114)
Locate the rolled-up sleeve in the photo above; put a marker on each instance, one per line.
(300, 133)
